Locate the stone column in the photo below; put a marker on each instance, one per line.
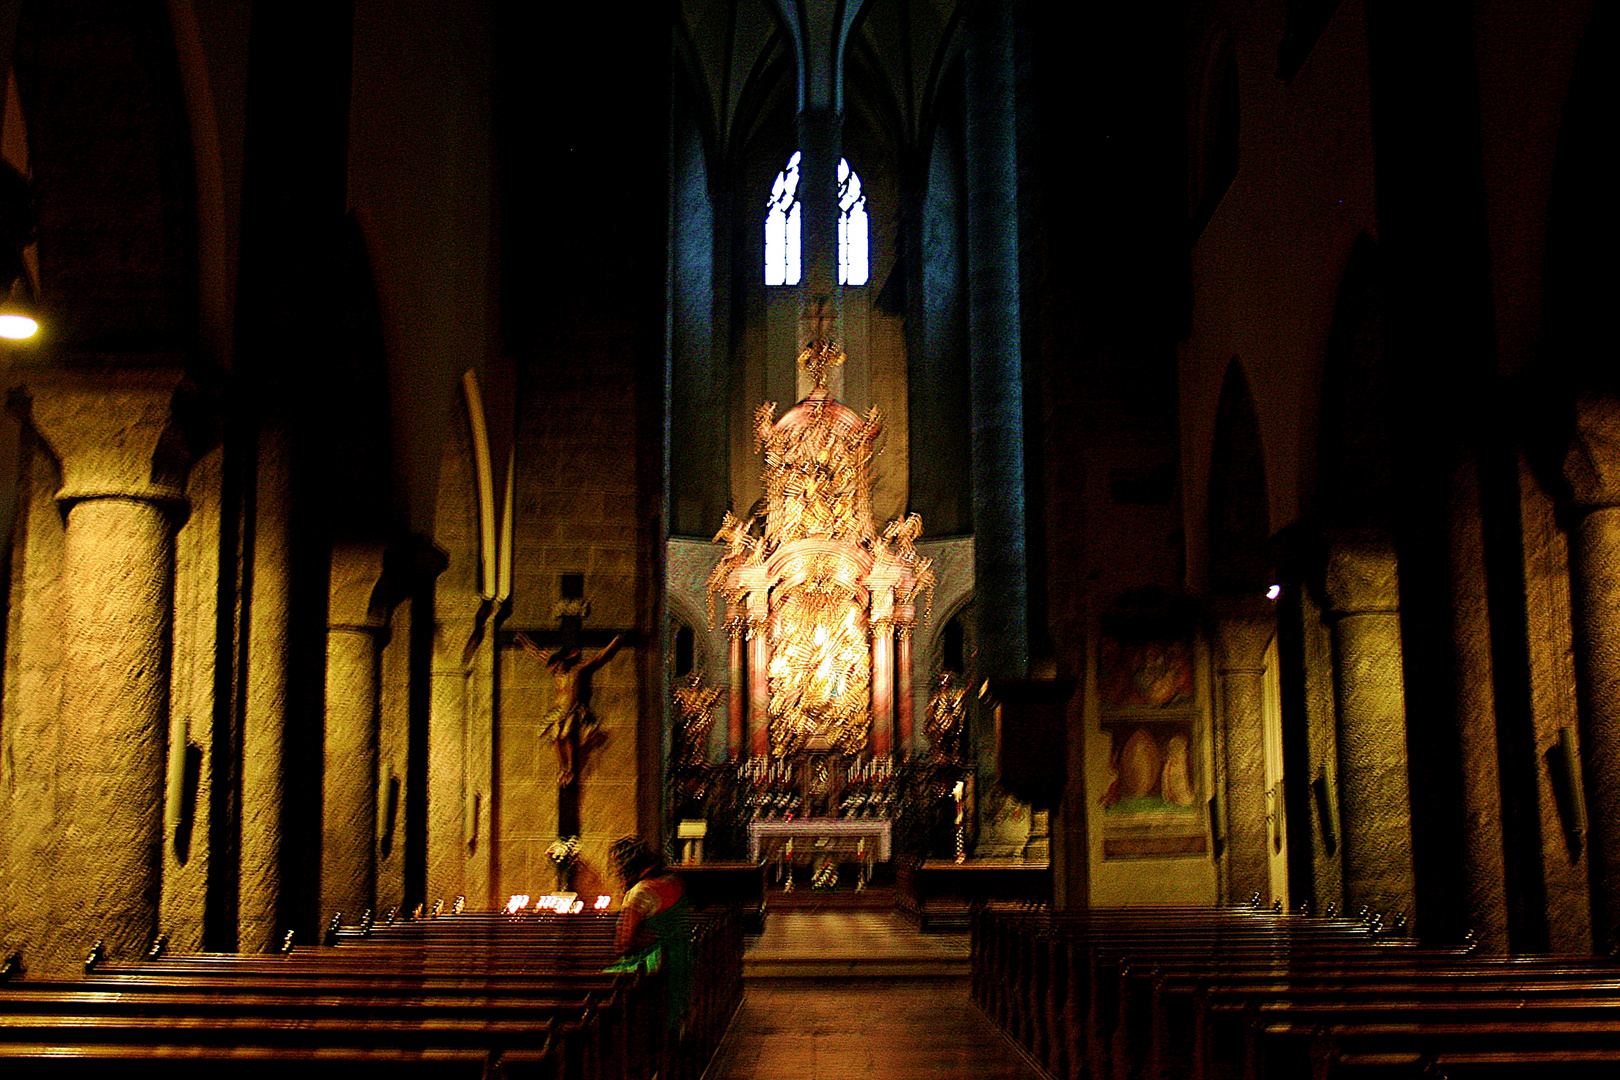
(357, 617)
(123, 465)
(736, 700)
(449, 827)
(264, 713)
(1363, 594)
(1000, 557)
(1592, 469)
(1243, 629)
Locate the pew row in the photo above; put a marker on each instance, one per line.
(475, 995)
(1235, 993)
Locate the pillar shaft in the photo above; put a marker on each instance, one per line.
(1374, 788)
(264, 714)
(449, 828)
(1241, 638)
(1374, 794)
(1595, 592)
(117, 582)
(349, 780)
(996, 375)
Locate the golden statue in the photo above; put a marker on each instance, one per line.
(695, 702)
(947, 718)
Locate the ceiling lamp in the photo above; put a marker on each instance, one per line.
(18, 321)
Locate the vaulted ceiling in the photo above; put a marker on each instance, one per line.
(746, 57)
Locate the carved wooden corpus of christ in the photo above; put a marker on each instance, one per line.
(570, 723)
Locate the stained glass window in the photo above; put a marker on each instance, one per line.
(782, 227)
(852, 243)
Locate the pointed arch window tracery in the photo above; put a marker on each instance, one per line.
(783, 263)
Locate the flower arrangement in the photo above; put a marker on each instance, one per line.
(564, 855)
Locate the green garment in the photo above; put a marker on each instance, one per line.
(671, 953)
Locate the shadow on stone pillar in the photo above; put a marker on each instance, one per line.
(1362, 587)
(1592, 470)
(123, 460)
(264, 715)
(1000, 550)
(357, 621)
(1243, 629)
(452, 836)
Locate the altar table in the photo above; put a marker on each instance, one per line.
(841, 835)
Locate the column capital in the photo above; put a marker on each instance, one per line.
(1244, 626)
(368, 578)
(1591, 465)
(356, 598)
(116, 433)
(1360, 574)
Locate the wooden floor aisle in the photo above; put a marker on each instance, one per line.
(868, 1029)
(841, 943)
(823, 1003)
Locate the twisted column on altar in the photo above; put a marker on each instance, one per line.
(737, 699)
(882, 623)
(759, 669)
(905, 619)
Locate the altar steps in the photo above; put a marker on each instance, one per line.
(872, 898)
(851, 943)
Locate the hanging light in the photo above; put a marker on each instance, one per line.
(19, 228)
(17, 318)
(17, 325)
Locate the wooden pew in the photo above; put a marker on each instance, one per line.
(1224, 1006)
(1114, 995)
(480, 996)
(1544, 1038)
(1053, 981)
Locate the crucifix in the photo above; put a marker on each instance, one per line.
(570, 722)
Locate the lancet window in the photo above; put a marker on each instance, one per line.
(782, 227)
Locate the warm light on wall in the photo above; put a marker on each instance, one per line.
(17, 326)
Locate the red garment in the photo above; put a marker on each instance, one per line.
(646, 898)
